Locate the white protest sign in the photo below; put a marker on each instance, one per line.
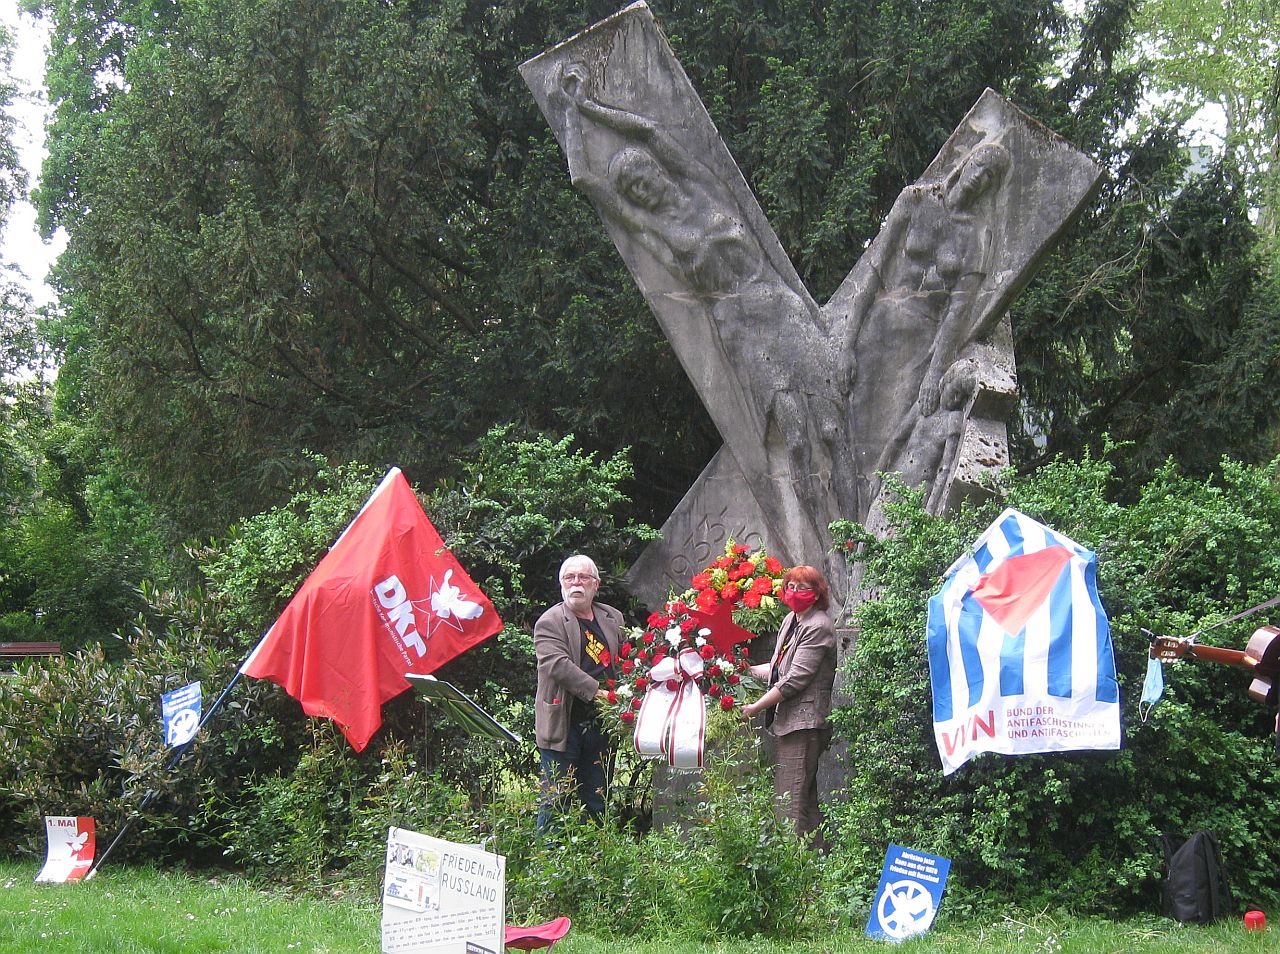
(71, 845)
(442, 897)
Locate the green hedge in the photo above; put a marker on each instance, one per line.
(82, 735)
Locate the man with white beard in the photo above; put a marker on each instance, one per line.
(576, 642)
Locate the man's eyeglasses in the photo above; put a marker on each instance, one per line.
(577, 578)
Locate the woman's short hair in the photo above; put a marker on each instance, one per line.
(992, 155)
(630, 163)
(813, 579)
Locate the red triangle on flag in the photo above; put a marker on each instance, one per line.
(725, 633)
(387, 599)
(1018, 587)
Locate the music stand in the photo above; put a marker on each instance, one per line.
(460, 707)
(467, 713)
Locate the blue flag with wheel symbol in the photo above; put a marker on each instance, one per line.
(910, 891)
(180, 711)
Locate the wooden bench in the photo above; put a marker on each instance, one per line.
(20, 651)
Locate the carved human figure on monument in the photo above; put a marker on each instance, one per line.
(923, 451)
(687, 218)
(934, 256)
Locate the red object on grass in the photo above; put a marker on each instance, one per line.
(387, 599)
(537, 936)
(1255, 921)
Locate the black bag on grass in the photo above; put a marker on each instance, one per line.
(1195, 885)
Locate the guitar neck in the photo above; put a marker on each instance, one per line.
(1229, 657)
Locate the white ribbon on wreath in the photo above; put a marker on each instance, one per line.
(673, 716)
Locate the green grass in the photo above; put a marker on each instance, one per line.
(127, 910)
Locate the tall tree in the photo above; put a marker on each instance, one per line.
(1225, 57)
(15, 304)
(283, 236)
(12, 177)
(333, 226)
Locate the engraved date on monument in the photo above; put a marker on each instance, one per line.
(704, 542)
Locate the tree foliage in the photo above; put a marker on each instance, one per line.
(311, 248)
(1206, 55)
(306, 231)
(76, 536)
(342, 228)
(15, 305)
(1158, 331)
(13, 179)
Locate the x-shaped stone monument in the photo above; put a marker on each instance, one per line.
(908, 368)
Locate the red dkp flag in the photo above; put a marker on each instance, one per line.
(387, 599)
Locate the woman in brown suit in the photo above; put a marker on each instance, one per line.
(798, 700)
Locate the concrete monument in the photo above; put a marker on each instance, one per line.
(908, 368)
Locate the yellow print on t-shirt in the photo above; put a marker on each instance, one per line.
(595, 648)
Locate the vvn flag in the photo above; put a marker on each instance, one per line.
(1020, 650)
(387, 599)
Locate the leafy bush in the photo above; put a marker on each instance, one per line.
(402, 794)
(525, 502)
(296, 826)
(75, 536)
(81, 734)
(733, 870)
(1079, 830)
(264, 558)
(596, 874)
(746, 873)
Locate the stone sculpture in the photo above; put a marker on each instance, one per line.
(909, 366)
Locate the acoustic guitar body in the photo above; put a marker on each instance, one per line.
(1264, 649)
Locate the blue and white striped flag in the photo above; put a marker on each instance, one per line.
(1020, 649)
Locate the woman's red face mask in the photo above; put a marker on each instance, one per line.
(798, 600)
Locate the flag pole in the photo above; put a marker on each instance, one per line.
(181, 751)
(178, 755)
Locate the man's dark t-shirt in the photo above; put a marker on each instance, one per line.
(592, 662)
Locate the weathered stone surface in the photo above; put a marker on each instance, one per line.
(908, 368)
(643, 149)
(928, 300)
(720, 505)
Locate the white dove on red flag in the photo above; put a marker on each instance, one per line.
(387, 599)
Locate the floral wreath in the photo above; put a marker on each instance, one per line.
(742, 584)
